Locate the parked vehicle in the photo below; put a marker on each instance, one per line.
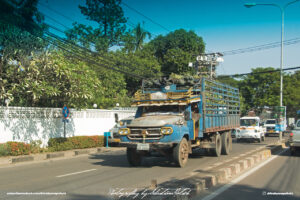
(176, 115)
(250, 129)
(294, 138)
(271, 127)
(114, 132)
(234, 132)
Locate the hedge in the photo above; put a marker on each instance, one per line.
(54, 144)
(14, 149)
(76, 142)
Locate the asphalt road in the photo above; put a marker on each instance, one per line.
(96, 176)
(278, 179)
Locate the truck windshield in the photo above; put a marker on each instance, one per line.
(163, 110)
(249, 122)
(271, 122)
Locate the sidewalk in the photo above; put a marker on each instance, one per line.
(13, 160)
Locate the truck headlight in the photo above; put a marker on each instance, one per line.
(124, 131)
(166, 130)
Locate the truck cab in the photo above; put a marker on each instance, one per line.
(250, 129)
(271, 127)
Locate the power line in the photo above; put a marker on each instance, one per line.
(83, 48)
(79, 56)
(71, 20)
(263, 72)
(151, 20)
(72, 44)
(55, 11)
(260, 47)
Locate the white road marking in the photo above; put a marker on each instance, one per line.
(233, 182)
(89, 170)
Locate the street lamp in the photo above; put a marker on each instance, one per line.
(282, 9)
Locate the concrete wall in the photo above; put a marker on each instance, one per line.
(28, 124)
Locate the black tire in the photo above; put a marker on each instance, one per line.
(207, 152)
(181, 153)
(263, 138)
(292, 151)
(259, 140)
(238, 140)
(226, 143)
(133, 157)
(216, 151)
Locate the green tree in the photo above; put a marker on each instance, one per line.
(139, 64)
(175, 50)
(140, 35)
(291, 94)
(261, 89)
(51, 79)
(134, 39)
(229, 81)
(111, 23)
(20, 26)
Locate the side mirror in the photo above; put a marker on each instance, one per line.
(187, 115)
(116, 117)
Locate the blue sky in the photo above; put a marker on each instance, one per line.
(223, 25)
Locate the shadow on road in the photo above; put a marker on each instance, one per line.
(121, 161)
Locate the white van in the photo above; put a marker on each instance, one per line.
(250, 129)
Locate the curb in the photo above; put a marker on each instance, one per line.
(55, 155)
(6, 161)
(201, 182)
(22, 159)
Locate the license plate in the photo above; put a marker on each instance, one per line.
(271, 131)
(143, 147)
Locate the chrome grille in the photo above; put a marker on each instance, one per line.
(151, 133)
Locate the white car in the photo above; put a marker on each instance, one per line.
(250, 129)
(294, 139)
(114, 131)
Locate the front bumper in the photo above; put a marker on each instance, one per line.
(272, 133)
(247, 136)
(158, 145)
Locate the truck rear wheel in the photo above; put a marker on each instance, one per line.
(226, 143)
(216, 151)
(181, 153)
(133, 157)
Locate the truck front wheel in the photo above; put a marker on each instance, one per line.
(181, 153)
(133, 157)
(216, 151)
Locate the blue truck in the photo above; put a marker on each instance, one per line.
(175, 116)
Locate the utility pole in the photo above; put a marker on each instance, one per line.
(206, 64)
